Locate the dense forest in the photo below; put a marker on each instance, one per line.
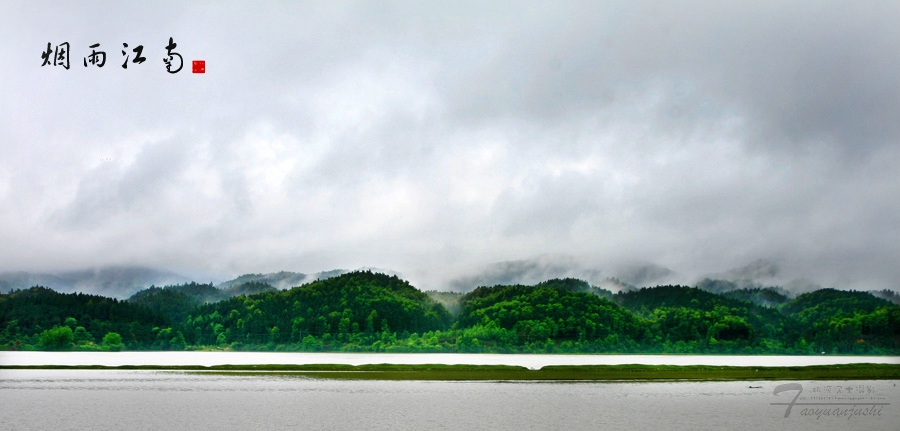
(365, 311)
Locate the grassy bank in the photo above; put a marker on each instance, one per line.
(505, 372)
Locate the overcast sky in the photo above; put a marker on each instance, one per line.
(436, 140)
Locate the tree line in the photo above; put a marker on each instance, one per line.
(366, 311)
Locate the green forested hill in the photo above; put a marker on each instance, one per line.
(673, 296)
(176, 302)
(558, 310)
(353, 306)
(846, 321)
(832, 303)
(365, 311)
(692, 319)
(82, 319)
(173, 304)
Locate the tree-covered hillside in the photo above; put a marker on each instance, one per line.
(350, 307)
(365, 311)
(176, 302)
(42, 318)
(555, 311)
(690, 319)
(846, 321)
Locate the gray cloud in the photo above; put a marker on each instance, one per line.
(435, 140)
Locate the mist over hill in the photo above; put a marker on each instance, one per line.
(765, 282)
(370, 311)
(281, 280)
(114, 282)
(546, 267)
(122, 282)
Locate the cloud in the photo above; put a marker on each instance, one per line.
(437, 139)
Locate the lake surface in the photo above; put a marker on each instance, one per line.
(172, 400)
(530, 361)
(153, 400)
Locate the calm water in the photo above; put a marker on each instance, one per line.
(530, 361)
(148, 400)
(152, 400)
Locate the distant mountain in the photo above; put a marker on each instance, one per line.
(113, 282)
(746, 290)
(176, 301)
(644, 275)
(281, 280)
(526, 272)
(122, 282)
(761, 269)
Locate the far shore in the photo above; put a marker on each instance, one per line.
(436, 372)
